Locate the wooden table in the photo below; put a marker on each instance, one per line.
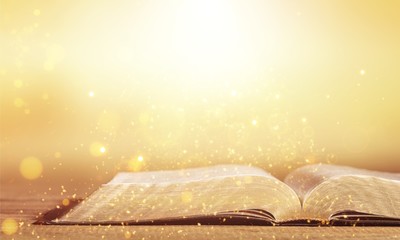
(23, 203)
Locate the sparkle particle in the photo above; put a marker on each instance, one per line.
(36, 12)
(102, 149)
(18, 83)
(9, 226)
(31, 168)
(65, 202)
(19, 102)
(97, 149)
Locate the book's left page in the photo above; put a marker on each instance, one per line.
(185, 196)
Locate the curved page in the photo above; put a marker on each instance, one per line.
(354, 197)
(303, 180)
(225, 190)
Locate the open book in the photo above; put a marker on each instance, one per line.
(234, 194)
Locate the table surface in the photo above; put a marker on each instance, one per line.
(24, 202)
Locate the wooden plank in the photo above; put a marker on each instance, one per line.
(202, 232)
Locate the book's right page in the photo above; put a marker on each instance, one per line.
(347, 195)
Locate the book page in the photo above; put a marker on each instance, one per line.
(327, 190)
(225, 190)
(364, 194)
(304, 179)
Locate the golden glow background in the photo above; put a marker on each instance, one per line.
(89, 88)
